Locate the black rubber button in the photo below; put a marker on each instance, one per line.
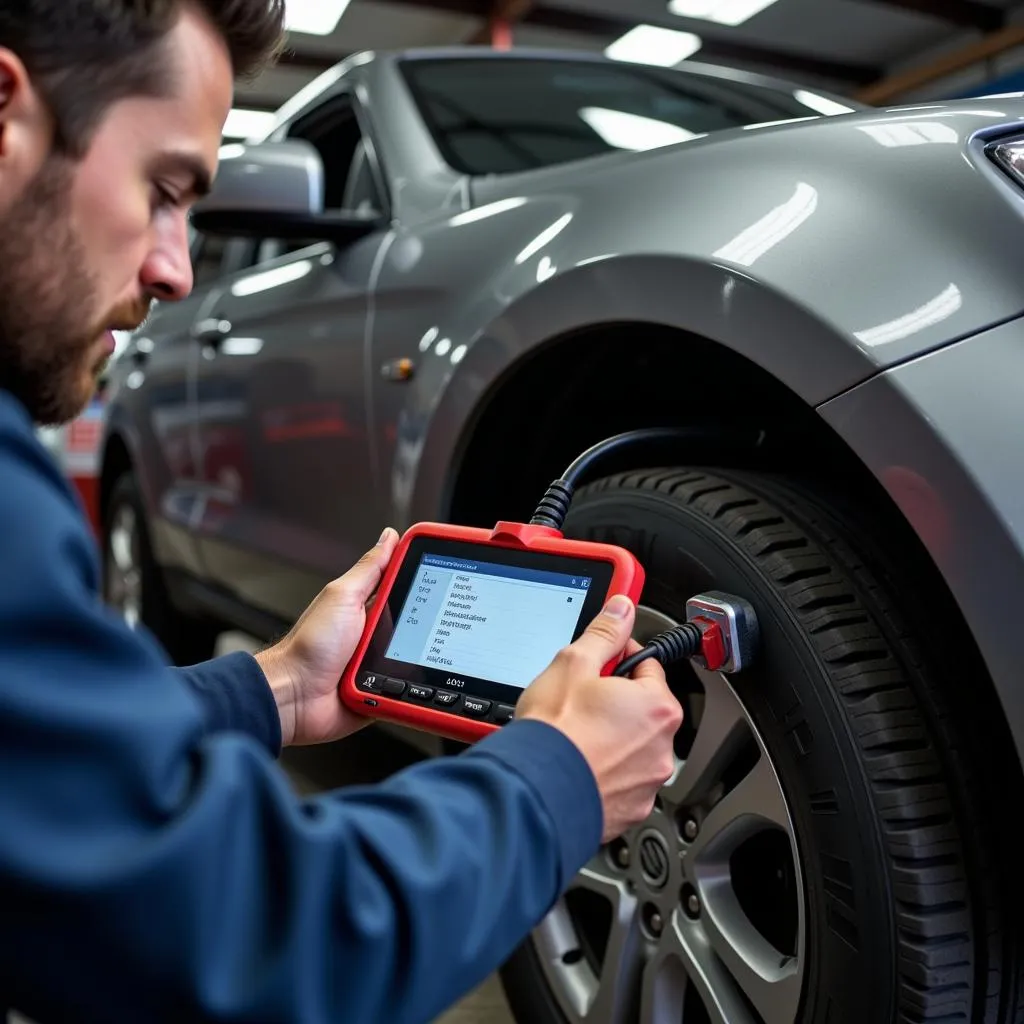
(475, 707)
(371, 682)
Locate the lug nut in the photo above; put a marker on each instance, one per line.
(690, 901)
(656, 923)
(690, 830)
(622, 856)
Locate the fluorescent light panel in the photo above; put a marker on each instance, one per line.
(313, 17)
(647, 44)
(244, 124)
(722, 12)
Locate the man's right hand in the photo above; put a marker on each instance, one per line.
(624, 728)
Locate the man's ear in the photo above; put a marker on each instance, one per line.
(26, 130)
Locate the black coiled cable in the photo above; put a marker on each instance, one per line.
(554, 506)
(673, 645)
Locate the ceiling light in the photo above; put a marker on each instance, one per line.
(646, 44)
(246, 124)
(631, 131)
(723, 12)
(313, 17)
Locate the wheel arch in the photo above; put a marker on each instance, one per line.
(797, 441)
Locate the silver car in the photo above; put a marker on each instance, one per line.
(444, 274)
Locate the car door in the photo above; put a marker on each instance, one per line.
(280, 413)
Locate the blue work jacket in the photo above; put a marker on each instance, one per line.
(155, 864)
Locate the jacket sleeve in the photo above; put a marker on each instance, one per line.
(151, 870)
(235, 697)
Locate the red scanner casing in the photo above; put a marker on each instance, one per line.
(627, 578)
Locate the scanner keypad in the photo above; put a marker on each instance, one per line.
(452, 701)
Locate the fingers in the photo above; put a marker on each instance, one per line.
(608, 634)
(649, 671)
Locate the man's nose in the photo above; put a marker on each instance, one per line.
(167, 272)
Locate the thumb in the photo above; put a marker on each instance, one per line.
(609, 633)
(359, 583)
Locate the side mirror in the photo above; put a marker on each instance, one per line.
(276, 190)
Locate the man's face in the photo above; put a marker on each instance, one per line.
(87, 245)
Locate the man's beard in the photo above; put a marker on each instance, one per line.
(47, 295)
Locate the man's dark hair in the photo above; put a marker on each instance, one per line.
(85, 55)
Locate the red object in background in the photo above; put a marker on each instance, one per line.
(76, 447)
(501, 34)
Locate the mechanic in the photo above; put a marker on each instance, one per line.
(154, 862)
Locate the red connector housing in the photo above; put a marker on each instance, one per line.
(712, 643)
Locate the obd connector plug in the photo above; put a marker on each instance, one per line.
(720, 635)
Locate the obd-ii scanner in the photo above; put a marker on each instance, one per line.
(466, 618)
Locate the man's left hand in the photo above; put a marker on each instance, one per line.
(304, 668)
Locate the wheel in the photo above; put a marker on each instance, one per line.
(133, 585)
(809, 860)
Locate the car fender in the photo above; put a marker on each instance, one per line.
(712, 301)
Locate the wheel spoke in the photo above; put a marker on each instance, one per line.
(768, 978)
(687, 942)
(615, 1000)
(664, 987)
(754, 804)
(606, 999)
(723, 728)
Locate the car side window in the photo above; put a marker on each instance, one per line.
(208, 256)
(350, 174)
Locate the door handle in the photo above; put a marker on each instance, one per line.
(212, 331)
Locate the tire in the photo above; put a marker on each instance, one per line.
(134, 586)
(891, 902)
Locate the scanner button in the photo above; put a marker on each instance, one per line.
(392, 687)
(474, 707)
(447, 698)
(420, 692)
(503, 713)
(371, 682)
(371, 702)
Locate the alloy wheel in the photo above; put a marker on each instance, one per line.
(697, 915)
(124, 569)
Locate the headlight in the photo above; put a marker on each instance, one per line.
(1010, 156)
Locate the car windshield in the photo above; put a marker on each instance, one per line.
(502, 115)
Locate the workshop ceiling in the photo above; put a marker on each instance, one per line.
(876, 50)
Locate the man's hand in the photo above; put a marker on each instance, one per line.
(304, 668)
(624, 728)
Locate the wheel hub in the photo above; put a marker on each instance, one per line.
(655, 859)
(684, 940)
